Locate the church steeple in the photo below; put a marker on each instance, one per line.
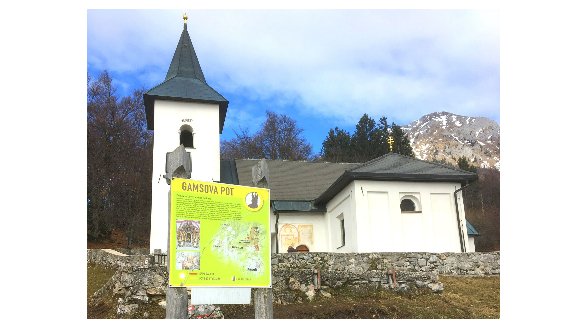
(185, 81)
(185, 62)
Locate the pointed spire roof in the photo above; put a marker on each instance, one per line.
(184, 82)
(185, 62)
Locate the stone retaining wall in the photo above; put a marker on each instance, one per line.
(301, 276)
(295, 275)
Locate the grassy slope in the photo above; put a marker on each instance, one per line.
(463, 298)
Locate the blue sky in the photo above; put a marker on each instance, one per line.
(323, 68)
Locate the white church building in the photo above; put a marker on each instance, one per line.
(390, 204)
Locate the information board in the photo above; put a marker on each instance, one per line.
(219, 235)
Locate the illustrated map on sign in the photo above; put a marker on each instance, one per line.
(240, 244)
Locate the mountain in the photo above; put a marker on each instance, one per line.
(446, 136)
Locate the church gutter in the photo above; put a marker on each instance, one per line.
(462, 245)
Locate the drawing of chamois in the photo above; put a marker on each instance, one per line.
(254, 201)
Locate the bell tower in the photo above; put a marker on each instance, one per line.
(182, 110)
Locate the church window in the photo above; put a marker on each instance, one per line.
(410, 203)
(342, 230)
(407, 205)
(186, 136)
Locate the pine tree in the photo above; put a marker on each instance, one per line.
(363, 140)
(381, 145)
(336, 146)
(401, 144)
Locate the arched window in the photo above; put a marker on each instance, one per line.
(407, 205)
(186, 136)
(410, 203)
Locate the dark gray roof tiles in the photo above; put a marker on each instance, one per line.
(320, 181)
(186, 88)
(185, 62)
(399, 164)
(395, 167)
(184, 82)
(294, 180)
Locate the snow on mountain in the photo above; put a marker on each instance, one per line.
(447, 136)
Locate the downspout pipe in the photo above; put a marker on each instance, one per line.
(462, 245)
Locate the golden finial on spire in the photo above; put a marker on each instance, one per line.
(185, 18)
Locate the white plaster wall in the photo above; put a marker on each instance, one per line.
(471, 245)
(381, 227)
(317, 219)
(169, 116)
(342, 203)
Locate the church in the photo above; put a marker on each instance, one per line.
(392, 203)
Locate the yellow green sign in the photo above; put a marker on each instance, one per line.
(219, 235)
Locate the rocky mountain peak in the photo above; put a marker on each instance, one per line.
(444, 136)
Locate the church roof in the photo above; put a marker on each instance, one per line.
(288, 180)
(185, 81)
(395, 167)
(320, 181)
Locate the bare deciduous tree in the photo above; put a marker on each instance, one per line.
(278, 138)
(119, 162)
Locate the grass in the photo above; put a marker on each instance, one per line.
(462, 298)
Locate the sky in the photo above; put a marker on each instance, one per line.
(323, 68)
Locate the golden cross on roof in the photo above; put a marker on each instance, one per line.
(391, 143)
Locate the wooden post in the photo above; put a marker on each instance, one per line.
(263, 297)
(263, 303)
(176, 303)
(178, 165)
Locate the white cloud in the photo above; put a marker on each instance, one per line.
(336, 64)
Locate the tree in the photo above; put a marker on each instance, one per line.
(336, 146)
(278, 138)
(364, 139)
(380, 143)
(119, 162)
(401, 144)
(482, 206)
(463, 164)
(370, 140)
(242, 146)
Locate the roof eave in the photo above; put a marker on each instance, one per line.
(149, 105)
(348, 177)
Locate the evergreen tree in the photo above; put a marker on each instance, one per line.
(336, 146)
(463, 164)
(401, 144)
(381, 144)
(370, 140)
(363, 140)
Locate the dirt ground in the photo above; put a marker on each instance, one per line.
(463, 298)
